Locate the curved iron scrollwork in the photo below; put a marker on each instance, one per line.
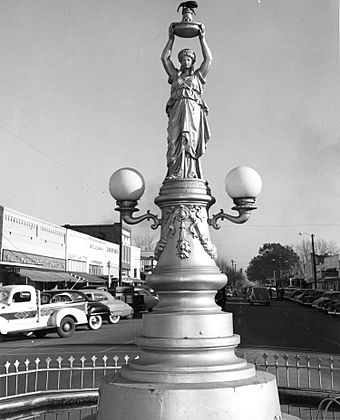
(244, 206)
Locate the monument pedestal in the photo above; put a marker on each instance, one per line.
(187, 368)
(254, 398)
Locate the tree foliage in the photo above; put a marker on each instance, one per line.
(273, 260)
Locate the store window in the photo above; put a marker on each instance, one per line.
(95, 269)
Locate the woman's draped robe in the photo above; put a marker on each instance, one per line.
(188, 130)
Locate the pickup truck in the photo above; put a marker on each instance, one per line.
(21, 311)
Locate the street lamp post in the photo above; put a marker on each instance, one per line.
(314, 263)
(313, 258)
(187, 365)
(120, 250)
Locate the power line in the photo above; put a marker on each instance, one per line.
(46, 155)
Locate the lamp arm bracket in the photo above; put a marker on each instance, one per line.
(243, 206)
(130, 220)
(127, 207)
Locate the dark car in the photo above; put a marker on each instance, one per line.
(259, 295)
(295, 293)
(144, 299)
(299, 297)
(96, 311)
(333, 298)
(334, 308)
(324, 298)
(308, 298)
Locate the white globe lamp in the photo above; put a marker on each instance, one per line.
(126, 184)
(243, 182)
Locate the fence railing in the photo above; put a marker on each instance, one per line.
(299, 371)
(303, 377)
(32, 376)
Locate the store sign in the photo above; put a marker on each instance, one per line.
(76, 257)
(32, 259)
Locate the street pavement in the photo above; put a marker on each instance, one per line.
(282, 327)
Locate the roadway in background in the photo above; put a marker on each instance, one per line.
(284, 326)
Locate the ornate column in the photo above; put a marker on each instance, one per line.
(187, 367)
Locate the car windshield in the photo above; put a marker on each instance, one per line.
(260, 292)
(78, 296)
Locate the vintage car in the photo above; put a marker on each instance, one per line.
(310, 297)
(259, 295)
(334, 298)
(326, 297)
(118, 308)
(22, 311)
(145, 299)
(96, 311)
(334, 308)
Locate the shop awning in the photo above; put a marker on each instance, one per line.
(91, 278)
(46, 276)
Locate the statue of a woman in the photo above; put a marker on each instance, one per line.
(188, 130)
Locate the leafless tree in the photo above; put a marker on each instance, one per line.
(321, 247)
(144, 242)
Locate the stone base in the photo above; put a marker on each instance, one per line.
(254, 398)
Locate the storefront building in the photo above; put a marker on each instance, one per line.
(40, 251)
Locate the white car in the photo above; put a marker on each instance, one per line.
(118, 308)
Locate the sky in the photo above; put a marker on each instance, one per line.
(83, 93)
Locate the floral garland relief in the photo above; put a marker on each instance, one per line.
(182, 214)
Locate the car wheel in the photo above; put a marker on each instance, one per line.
(66, 328)
(40, 333)
(95, 322)
(114, 319)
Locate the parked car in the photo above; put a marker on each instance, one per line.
(96, 311)
(118, 308)
(93, 288)
(293, 295)
(333, 298)
(259, 295)
(311, 296)
(144, 299)
(326, 295)
(334, 308)
(299, 296)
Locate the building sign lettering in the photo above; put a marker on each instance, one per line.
(32, 259)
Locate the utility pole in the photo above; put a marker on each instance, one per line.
(314, 263)
(120, 249)
(233, 270)
(313, 258)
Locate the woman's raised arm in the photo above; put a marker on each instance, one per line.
(166, 53)
(207, 56)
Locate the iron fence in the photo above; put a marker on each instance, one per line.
(22, 377)
(309, 385)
